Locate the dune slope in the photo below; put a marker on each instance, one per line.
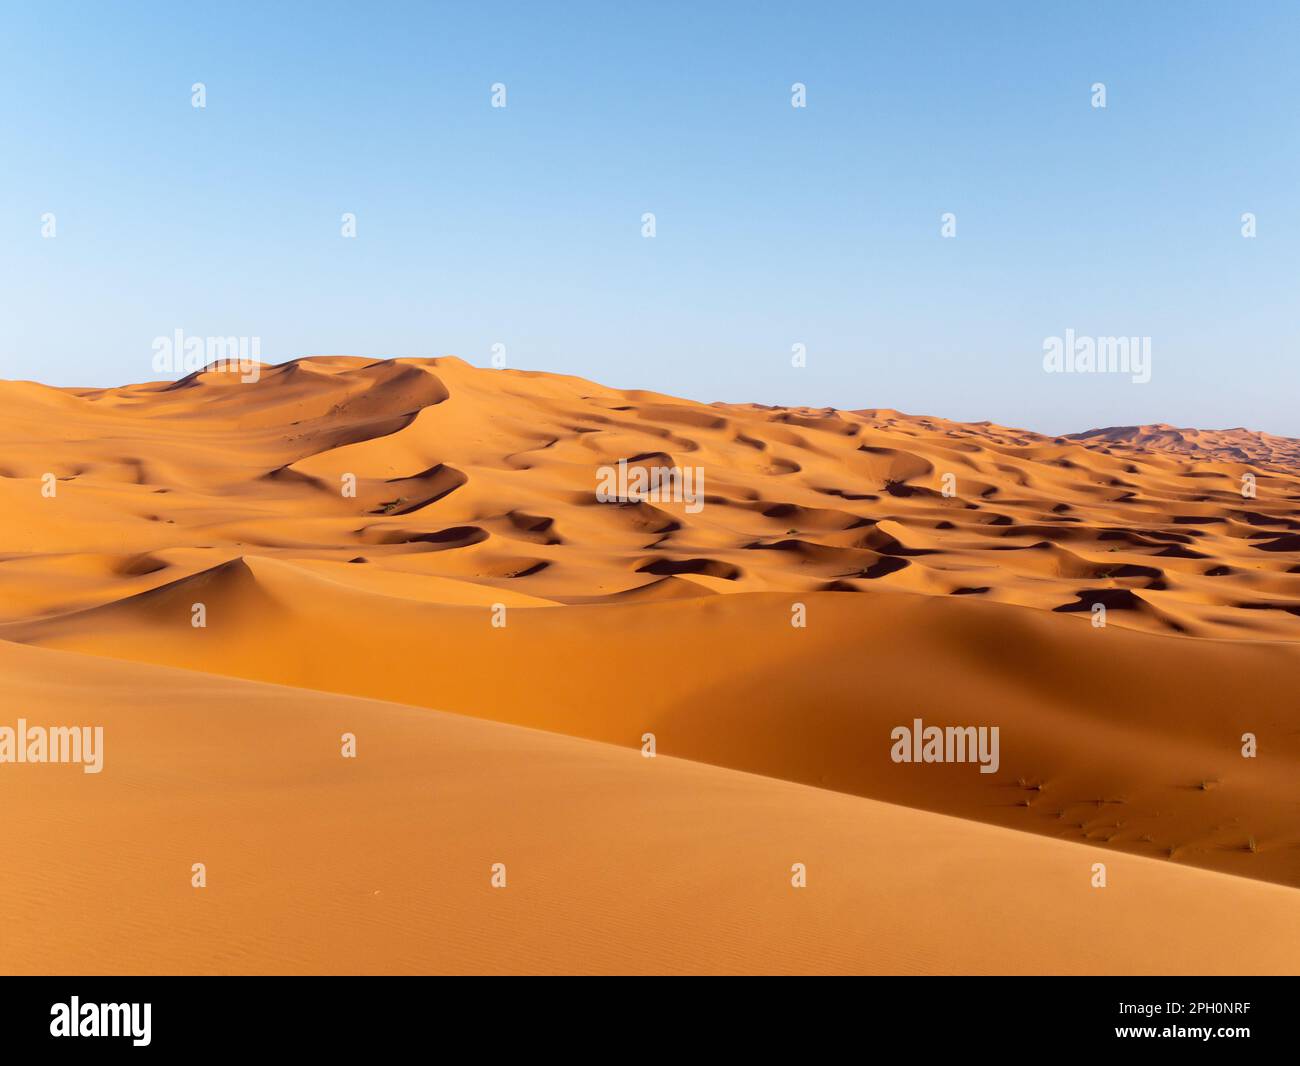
(1118, 738)
(613, 863)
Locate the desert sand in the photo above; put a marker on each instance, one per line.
(499, 641)
(614, 862)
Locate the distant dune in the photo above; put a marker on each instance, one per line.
(431, 535)
(488, 479)
(1224, 445)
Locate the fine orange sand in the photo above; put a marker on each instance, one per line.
(613, 862)
(475, 504)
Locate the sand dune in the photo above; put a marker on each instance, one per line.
(430, 534)
(1228, 445)
(1108, 736)
(613, 863)
(489, 477)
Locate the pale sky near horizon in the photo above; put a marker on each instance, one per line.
(775, 225)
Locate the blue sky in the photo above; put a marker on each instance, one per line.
(775, 225)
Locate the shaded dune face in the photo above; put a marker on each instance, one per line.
(354, 526)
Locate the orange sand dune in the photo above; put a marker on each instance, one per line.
(489, 477)
(427, 533)
(613, 862)
(1121, 739)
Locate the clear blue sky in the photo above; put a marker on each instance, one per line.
(776, 226)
